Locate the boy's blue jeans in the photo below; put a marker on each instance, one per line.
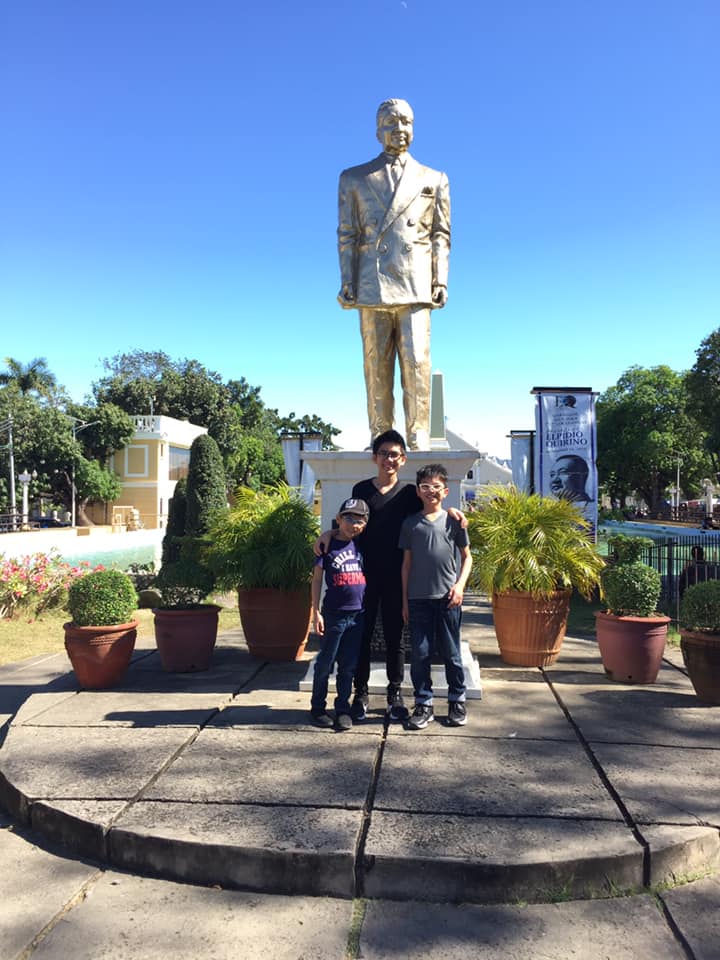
(434, 620)
(341, 642)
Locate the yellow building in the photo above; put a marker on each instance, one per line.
(149, 467)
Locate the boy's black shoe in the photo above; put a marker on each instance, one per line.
(321, 718)
(421, 716)
(343, 722)
(457, 714)
(359, 707)
(396, 709)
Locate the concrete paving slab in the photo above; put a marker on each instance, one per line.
(79, 825)
(39, 703)
(286, 709)
(632, 929)
(152, 920)
(486, 860)
(695, 908)
(34, 886)
(679, 852)
(271, 848)
(270, 766)
(131, 709)
(660, 715)
(508, 709)
(664, 784)
(100, 763)
(484, 777)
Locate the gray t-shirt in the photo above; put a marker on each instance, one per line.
(435, 546)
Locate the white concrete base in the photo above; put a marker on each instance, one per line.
(378, 678)
(339, 470)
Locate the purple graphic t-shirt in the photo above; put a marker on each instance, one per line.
(344, 577)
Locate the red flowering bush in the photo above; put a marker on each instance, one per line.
(36, 582)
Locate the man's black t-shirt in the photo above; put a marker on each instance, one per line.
(379, 540)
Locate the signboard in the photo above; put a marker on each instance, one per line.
(565, 447)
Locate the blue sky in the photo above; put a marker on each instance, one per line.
(169, 171)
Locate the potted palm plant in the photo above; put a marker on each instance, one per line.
(700, 638)
(100, 638)
(631, 633)
(262, 546)
(529, 553)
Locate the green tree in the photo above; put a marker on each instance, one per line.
(703, 385)
(94, 482)
(33, 377)
(643, 426)
(206, 493)
(175, 529)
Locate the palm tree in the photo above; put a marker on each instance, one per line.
(33, 376)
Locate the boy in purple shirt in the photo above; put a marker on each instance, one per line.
(340, 623)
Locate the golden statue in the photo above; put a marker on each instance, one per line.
(394, 247)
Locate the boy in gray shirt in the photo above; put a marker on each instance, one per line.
(436, 565)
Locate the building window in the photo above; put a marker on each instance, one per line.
(179, 462)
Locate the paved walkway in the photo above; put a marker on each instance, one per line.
(562, 786)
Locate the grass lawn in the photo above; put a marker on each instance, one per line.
(25, 637)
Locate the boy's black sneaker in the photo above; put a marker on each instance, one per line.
(321, 718)
(396, 709)
(457, 714)
(343, 722)
(421, 716)
(359, 706)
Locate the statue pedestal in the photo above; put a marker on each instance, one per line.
(339, 470)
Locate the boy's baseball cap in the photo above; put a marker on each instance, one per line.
(355, 506)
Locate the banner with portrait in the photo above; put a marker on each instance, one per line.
(565, 447)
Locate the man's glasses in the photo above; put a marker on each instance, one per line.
(389, 454)
(352, 517)
(432, 487)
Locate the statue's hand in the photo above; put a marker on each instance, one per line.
(439, 295)
(346, 297)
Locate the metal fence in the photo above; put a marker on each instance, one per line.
(681, 562)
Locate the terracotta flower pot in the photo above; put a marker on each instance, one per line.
(530, 630)
(701, 654)
(186, 638)
(100, 655)
(275, 623)
(631, 647)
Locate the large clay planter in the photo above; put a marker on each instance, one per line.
(631, 647)
(701, 653)
(530, 630)
(100, 655)
(275, 623)
(186, 638)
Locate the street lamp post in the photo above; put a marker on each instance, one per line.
(8, 425)
(25, 479)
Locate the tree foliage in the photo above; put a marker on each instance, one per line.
(246, 431)
(703, 386)
(33, 377)
(644, 424)
(206, 493)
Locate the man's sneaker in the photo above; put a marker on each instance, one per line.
(359, 707)
(421, 716)
(343, 721)
(457, 714)
(396, 709)
(321, 718)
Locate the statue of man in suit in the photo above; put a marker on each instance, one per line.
(394, 246)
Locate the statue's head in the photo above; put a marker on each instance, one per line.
(395, 125)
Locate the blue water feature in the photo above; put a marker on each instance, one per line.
(656, 531)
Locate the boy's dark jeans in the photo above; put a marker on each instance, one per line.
(433, 621)
(341, 642)
(384, 587)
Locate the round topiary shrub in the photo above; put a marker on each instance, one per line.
(700, 607)
(102, 598)
(631, 589)
(626, 549)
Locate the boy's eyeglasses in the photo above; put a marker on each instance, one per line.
(432, 487)
(389, 454)
(352, 517)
